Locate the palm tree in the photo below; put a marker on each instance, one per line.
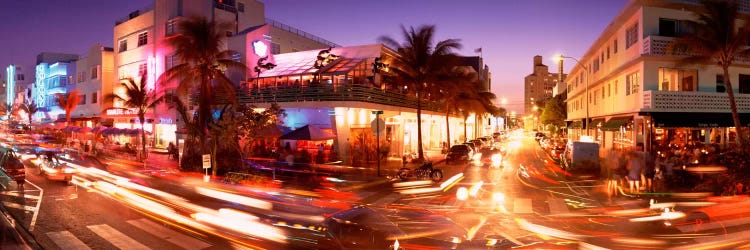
(418, 63)
(200, 47)
(716, 39)
(68, 102)
(138, 97)
(30, 108)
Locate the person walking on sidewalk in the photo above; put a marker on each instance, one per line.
(611, 164)
(635, 166)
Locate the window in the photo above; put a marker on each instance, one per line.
(596, 93)
(241, 7)
(94, 97)
(744, 86)
(677, 79)
(614, 46)
(81, 76)
(609, 90)
(236, 57)
(667, 27)
(170, 61)
(602, 92)
(631, 83)
(121, 73)
(607, 53)
(142, 69)
(275, 48)
(631, 36)
(95, 72)
(602, 56)
(171, 27)
(596, 65)
(142, 39)
(720, 85)
(123, 45)
(83, 100)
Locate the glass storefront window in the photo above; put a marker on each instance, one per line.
(678, 79)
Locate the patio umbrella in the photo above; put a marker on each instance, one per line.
(308, 133)
(98, 129)
(84, 130)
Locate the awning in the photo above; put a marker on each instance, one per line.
(614, 124)
(696, 120)
(575, 124)
(595, 123)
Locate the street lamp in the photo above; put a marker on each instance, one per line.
(585, 69)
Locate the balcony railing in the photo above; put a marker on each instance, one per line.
(134, 14)
(659, 46)
(691, 101)
(301, 33)
(356, 93)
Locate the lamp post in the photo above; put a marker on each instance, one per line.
(586, 122)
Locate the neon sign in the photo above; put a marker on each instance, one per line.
(122, 111)
(260, 48)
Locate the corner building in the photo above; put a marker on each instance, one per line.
(140, 47)
(637, 93)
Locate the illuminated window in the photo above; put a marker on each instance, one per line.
(170, 61)
(142, 69)
(171, 27)
(95, 72)
(631, 83)
(677, 79)
(241, 7)
(142, 39)
(94, 97)
(631, 36)
(83, 100)
(123, 45)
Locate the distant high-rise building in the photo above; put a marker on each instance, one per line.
(16, 82)
(538, 85)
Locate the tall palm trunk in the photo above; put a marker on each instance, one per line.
(466, 136)
(733, 107)
(142, 117)
(420, 151)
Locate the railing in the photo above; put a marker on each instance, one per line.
(301, 33)
(691, 101)
(659, 46)
(226, 7)
(358, 93)
(134, 14)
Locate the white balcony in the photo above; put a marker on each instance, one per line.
(659, 45)
(696, 102)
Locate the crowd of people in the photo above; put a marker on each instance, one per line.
(696, 167)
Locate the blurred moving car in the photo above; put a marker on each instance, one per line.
(52, 168)
(459, 153)
(373, 228)
(488, 157)
(12, 166)
(25, 150)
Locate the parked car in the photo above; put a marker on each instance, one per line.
(473, 147)
(459, 153)
(52, 168)
(12, 166)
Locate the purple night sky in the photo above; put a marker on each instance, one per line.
(510, 32)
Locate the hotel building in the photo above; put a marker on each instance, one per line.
(54, 74)
(637, 93)
(141, 47)
(539, 85)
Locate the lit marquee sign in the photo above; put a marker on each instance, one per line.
(121, 111)
(260, 48)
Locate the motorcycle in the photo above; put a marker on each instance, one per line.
(426, 171)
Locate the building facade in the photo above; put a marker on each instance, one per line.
(638, 94)
(342, 97)
(17, 81)
(141, 48)
(538, 86)
(94, 79)
(55, 74)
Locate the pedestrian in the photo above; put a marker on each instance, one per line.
(649, 172)
(635, 166)
(611, 164)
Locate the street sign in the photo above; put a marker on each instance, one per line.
(378, 126)
(206, 161)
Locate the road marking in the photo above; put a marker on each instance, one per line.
(38, 205)
(522, 206)
(66, 240)
(18, 206)
(714, 224)
(170, 235)
(388, 199)
(115, 237)
(19, 194)
(557, 206)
